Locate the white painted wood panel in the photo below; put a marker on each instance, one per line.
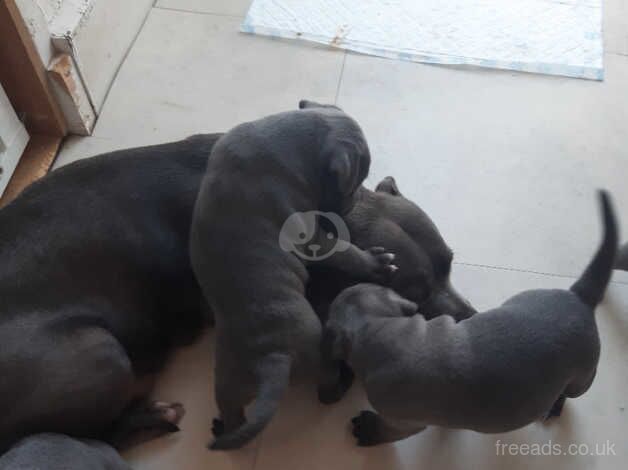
(13, 140)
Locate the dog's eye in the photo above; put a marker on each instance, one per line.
(330, 236)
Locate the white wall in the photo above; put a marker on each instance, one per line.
(13, 139)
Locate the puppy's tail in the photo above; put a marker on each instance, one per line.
(592, 284)
(622, 258)
(273, 373)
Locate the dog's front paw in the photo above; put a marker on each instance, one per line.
(218, 427)
(365, 428)
(380, 263)
(331, 394)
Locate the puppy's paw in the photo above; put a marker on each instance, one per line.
(381, 267)
(331, 394)
(146, 421)
(170, 412)
(365, 428)
(218, 427)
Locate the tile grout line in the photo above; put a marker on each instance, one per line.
(342, 72)
(528, 271)
(126, 55)
(194, 12)
(258, 449)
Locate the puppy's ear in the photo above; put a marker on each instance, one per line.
(408, 308)
(340, 170)
(388, 185)
(305, 104)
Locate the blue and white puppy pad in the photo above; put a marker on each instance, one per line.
(556, 37)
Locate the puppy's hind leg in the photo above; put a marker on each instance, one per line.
(371, 429)
(336, 379)
(573, 390)
(271, 376)
(336, 375)
(557, 407)
(231, 405)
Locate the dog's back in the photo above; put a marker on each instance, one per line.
(111, 229)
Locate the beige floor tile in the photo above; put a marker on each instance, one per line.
(505, 163)
(218, 7)
(191, 73)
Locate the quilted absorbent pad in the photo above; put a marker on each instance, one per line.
(557, 37)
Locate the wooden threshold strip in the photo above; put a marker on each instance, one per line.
(36, 160)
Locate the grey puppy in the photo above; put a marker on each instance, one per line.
(494, 372)
(259, 175)
(385, 218)
(622, 258)
(60, 452)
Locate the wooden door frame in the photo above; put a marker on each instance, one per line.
(24, 78)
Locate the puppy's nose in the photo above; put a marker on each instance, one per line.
(314, 247)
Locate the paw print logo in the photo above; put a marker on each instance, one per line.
(314, 235)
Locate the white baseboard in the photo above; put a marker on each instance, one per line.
(10, 156)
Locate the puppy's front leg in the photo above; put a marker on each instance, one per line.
(336, 375)
(373, 265)
(371, 429)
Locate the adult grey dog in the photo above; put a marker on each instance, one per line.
(259, 175)
(494, 372)
(57, 451)
(96, 288)
(103, 242)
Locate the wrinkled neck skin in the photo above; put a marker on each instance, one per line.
(354, 201)
(361, 332)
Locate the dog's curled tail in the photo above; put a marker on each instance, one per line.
(273, 374)
(592, 284)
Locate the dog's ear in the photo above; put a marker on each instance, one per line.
(340, 169)
(305, 104)
(345, 172)
(408, 308)
(388, 185)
